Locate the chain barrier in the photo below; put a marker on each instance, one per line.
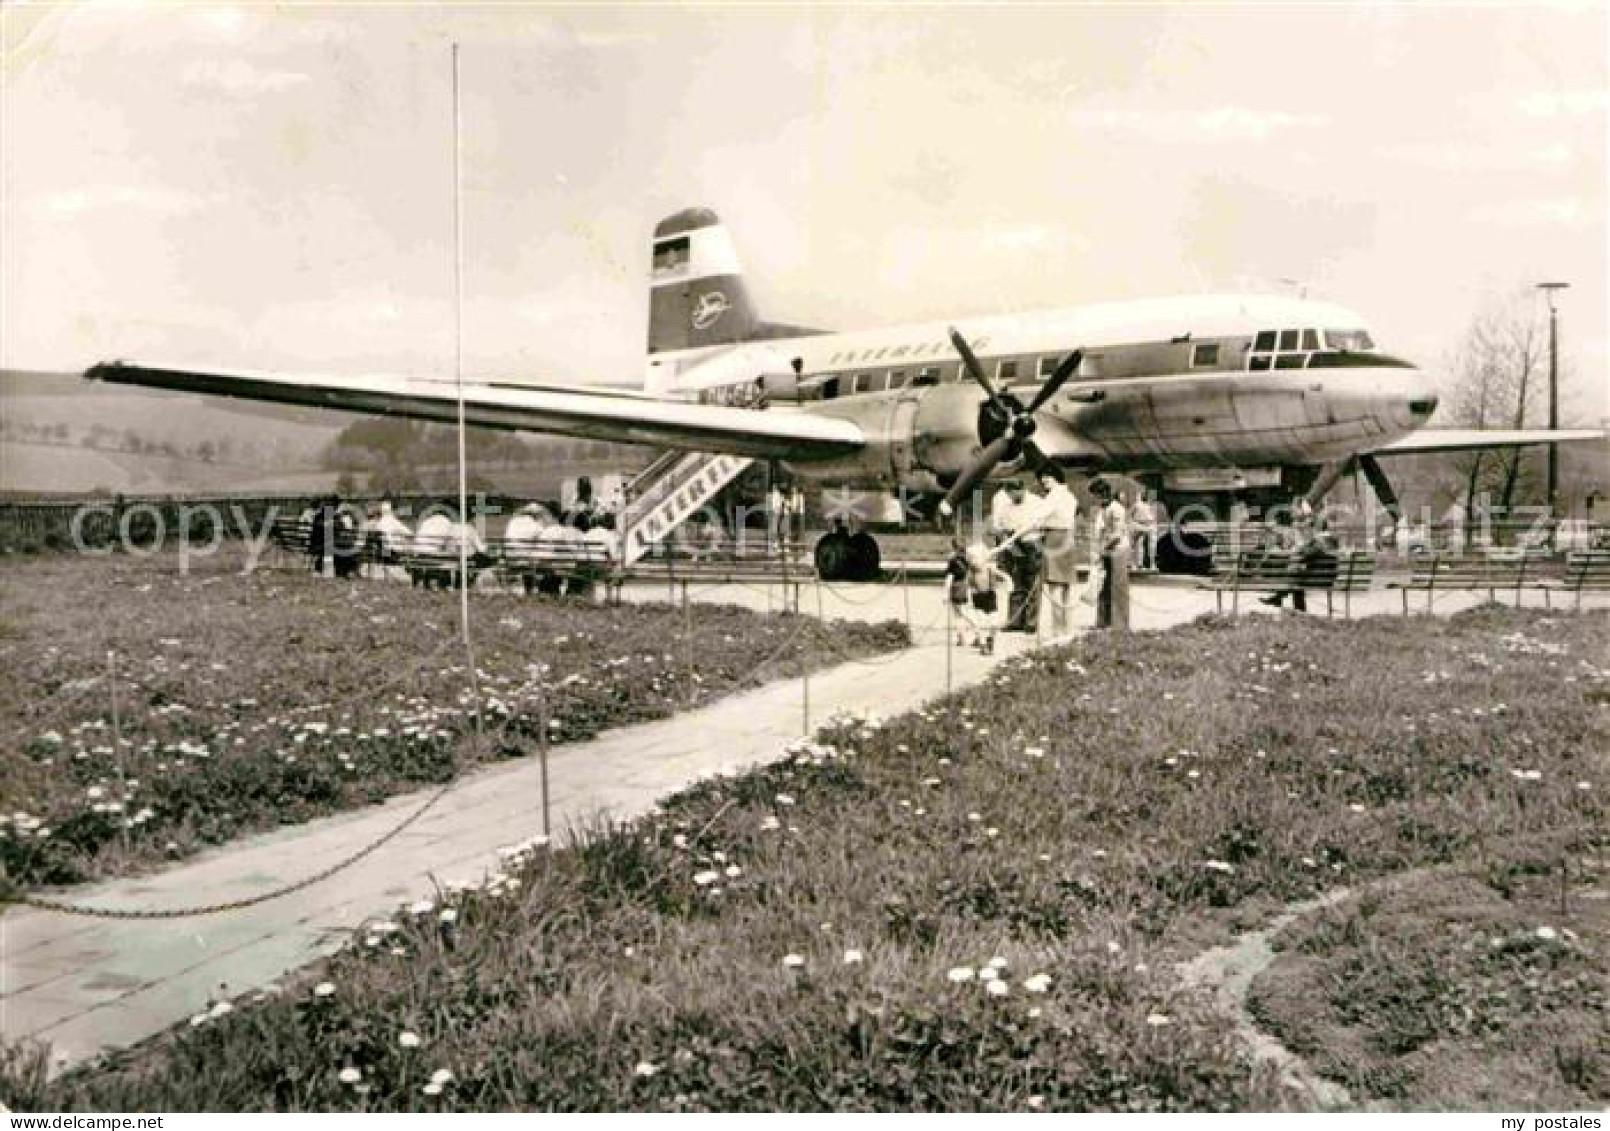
(47, 903)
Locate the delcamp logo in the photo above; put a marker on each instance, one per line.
(710, 307)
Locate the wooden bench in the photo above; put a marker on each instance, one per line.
(728, 563)
(442, 568)
(1331, 572)
(355, 548)
(557, 567)
(1492, 570)
(1585, 571)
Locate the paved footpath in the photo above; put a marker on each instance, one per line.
(86, 984)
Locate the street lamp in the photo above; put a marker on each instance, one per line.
(1548, 290)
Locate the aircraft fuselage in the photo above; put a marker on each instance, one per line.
(1166, 384)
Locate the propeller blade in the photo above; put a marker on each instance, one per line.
(976, 371)
(1058, 379)
(993, 453)
(1037, 460)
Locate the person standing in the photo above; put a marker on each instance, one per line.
(1001, 509)
(1061, 511)
(321, 537)
(1111, 551)
(1024, 557)
(776, 519)
(346, 547)
(1143, 521)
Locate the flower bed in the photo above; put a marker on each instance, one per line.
(147, 714)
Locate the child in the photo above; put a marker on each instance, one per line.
(975, 584)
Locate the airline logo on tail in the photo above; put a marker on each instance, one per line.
(709, 309)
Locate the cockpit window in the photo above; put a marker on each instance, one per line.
(1349, 340)
(1282, 349)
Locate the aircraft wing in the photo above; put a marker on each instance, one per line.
(603, 414)
(1470, 439)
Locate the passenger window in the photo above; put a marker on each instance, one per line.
(863, 382)
(1310, 339)
(1265, 342)
(897, 380)
(1204, 354)
(830, 388)
(1291, 360)
(1289, 339)
(1258, 361)
(1006, 372)
(1048, 366)
(927, 375)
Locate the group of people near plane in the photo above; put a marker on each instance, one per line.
(337, 535)
(1029, 558)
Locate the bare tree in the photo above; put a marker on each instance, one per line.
(1497, 366)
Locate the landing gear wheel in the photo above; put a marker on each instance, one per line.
(865, 560)
(832, 556)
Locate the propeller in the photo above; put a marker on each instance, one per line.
(1016, 422)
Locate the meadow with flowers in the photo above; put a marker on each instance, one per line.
(147, 713)
(985, 905)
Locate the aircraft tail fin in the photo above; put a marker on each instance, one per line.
(697, 295)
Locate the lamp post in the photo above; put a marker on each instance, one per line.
(1548, 290)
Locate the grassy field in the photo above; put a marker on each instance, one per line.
(982, 905)
(145, 714)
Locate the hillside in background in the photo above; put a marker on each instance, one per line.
(61, 435)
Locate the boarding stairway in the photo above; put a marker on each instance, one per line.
(667, 492)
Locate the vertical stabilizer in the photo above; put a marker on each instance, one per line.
(697, 295)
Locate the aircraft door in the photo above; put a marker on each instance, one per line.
(902, 435)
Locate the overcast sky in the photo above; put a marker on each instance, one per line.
(272, 187)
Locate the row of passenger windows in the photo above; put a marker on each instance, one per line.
(1008, 371)
(1271, 349)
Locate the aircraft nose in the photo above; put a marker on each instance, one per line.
(1423, 406)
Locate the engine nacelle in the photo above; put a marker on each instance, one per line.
(916, 438)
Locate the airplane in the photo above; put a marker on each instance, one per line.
(1294, 391)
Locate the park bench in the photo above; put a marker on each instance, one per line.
(1585, 571)
(730, 562)
(1342, 572)
(1497, 570)
(293, 535)
(441, 567)
(556, 567)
